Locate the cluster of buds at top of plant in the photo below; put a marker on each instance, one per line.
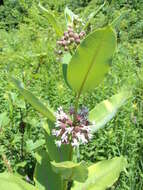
(73, 129)
(69, 40)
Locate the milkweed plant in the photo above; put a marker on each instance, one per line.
(86, 59)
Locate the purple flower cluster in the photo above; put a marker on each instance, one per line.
(69, 40)
(71, 130)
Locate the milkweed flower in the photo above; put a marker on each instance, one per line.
(69, 41)
(72, 129)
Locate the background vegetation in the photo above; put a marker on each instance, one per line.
(27, 44)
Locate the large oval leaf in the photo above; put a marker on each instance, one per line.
(35, 102)
(45, 177)
(71, 171)
(102, 175)
(12, 182)
(107, 109)
(92, 59)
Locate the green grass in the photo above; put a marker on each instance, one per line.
(31, 45)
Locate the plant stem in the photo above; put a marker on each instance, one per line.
(22, 130)
(70, 154)
(76, 106)
(7, 163)
(65, 185)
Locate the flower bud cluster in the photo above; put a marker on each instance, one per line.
(69, 40)
(70, 131)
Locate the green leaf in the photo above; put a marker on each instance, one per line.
(106, 110)
(33, 146)
(35, 102)
(70, 170)
(12, 182)
(45, 178)
(102, 175)
(117, 20)
(15, 101)
(65, 61)
(63, 153)
(66, 58)
(92, 15)
(4, 120)
(91, 60)
(140, 74)
(52, 20)
(70, 16)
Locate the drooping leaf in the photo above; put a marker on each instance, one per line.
(91, 60)
(63, 153)
(71, 171)
(117, 20)
(35, 102)
(12, 182)
(45, 178)
(102, 175)
(52, 20)
(107, 109)
(92, 15)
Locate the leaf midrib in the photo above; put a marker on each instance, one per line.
(91, 65)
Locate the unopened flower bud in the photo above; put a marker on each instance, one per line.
(66, 37)
(69, 26)
(65, 33)
(68, 42)
(70, 29)
(72, 39)
(82, 34)
(66, 48)
(77, 41)
(71, 34)
(59, 42)
(76, 36)
(64, 43)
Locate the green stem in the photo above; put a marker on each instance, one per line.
(65, 185)
(76, 106)
(70, 154)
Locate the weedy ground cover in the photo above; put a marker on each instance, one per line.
(27, 53)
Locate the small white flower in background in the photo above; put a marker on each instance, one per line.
(70, 131)
(58, 143)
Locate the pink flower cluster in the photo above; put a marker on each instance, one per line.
(69, 40)
(69, 130)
